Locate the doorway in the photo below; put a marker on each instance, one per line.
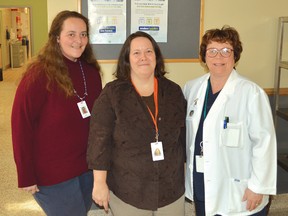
(15, 36)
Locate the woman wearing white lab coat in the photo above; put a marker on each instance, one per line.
(231, 142)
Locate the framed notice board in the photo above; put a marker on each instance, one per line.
(184, 32)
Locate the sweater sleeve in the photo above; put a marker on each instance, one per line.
(26, 112)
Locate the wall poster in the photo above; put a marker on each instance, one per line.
(150, 16)
(108, 21)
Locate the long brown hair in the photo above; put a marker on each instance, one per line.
(50, 59)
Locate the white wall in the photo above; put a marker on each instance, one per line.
(255, 20)
(55, 6)
(257, 23)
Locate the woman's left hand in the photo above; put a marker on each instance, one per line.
(253, 199)
(31, 189)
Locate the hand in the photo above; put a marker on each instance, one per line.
(31, 189)
(253, 199)
(100, 194)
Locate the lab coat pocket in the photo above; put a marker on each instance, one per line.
(236, 192)
(232, 135)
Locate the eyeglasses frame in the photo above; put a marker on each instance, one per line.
(219, 51)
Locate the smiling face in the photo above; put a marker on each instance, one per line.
(73, 38)
(142, 58)
(220, 66)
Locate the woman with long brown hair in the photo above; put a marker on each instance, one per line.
(50, 119)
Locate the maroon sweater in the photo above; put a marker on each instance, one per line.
(48, 132)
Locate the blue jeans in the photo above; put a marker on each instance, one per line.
(69, 198)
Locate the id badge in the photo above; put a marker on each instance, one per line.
(83, 108)
(157, 151)
(200, 163)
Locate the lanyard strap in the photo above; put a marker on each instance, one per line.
(154, 117)
(206, 98)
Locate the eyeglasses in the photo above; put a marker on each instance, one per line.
(225, 52)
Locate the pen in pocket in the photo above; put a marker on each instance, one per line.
(226, 120)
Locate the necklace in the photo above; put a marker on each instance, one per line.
(85, 85)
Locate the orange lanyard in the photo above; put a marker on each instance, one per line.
(154, 117)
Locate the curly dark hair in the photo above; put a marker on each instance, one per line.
(123, 70)
(223, 35)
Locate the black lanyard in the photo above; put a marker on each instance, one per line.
(206, 98)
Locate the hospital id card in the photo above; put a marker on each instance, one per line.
(83, 108)
(200, 163)
(157, 151)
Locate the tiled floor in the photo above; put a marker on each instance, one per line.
(14, 202)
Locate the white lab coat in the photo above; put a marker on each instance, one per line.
(240, 156)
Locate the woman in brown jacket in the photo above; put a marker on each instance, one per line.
(137, 136)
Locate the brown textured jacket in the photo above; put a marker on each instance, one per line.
(121, 130)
